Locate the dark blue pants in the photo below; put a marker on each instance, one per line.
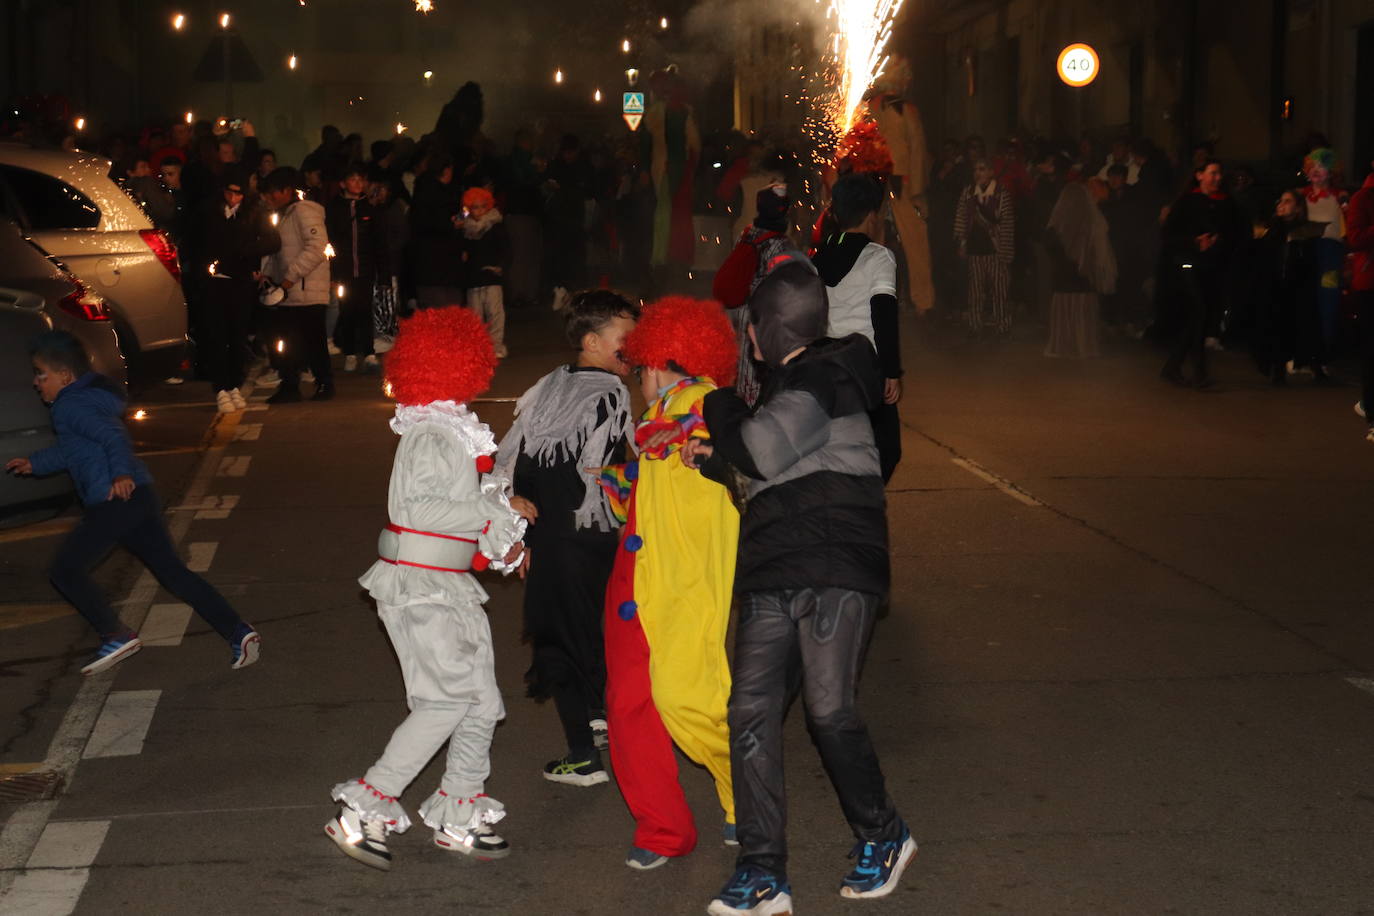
(137, 526)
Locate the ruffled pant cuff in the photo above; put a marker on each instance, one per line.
(443, 810)
(363, 798)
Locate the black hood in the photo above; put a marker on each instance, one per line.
(788, 309)
(843, 375)
(836, 257)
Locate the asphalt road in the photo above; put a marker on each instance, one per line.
(1126, 670)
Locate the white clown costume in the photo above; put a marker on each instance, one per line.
(449, 517)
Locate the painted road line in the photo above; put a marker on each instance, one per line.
(494, 400)
(58, 870)
(46, 529)
(25, 825)
(256, 406)
(165, 625)
(233, 467)
(1364, 683)
(25, 613)
(123, 724)
(1001, 483)
(210, 506)
(200, 555)
(248, 432)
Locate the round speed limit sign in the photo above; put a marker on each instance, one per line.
(1078, 65)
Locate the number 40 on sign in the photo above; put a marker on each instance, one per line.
(1078, 65)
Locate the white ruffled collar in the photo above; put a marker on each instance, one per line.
(475, 434)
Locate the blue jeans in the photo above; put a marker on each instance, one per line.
(136, 525)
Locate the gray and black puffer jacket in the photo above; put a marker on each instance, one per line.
(816, 515)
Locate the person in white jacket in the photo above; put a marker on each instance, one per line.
(449, 518)
(301, 269)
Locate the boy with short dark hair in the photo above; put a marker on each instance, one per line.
(572, 421)
(121, 507)
(486, 248)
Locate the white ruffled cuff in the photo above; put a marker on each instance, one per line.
(443, 810)
(503, 533)
(369, 803)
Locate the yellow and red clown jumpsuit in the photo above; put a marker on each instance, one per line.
(667, 610)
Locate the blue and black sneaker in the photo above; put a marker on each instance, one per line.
(753, 892)
(879, 867)
(111, 652)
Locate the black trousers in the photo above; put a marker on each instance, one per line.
(226, 320)
(1200, 292)
(353, 333)
(887, 434)
(300, 328)
(137, 526)
(812, 640)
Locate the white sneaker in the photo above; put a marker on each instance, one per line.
(175, 380)
(479, 842)
(269, 379)
(224, 402)
(350, 363)
(1359, 410)
(308, 377)
(237, 398)
(333, 350)
(364, 840)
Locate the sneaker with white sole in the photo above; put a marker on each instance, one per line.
(111, 652)
(333, 348)
(269, 379)
(361, 838)
(224, 402)
(751, 891)
(730, 834)
(879, 867)
(570, 772)
(247, 646)
(236, 396)
(644, 859)
(480, 842)
(308, 377)
(601, 735)
(350, 363)
(174, 380)
(1359, 410)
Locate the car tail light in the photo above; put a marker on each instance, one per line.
(84, 304)
(165, 250)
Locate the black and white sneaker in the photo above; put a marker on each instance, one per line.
(571, 772)
(601, 734)
(361, 838)
(480, 842)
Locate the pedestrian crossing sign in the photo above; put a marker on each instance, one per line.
(634, 103)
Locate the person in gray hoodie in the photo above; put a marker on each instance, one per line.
(812, 570)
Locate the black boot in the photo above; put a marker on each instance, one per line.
(323, 393)
(286, 394)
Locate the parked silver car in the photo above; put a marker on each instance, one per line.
(67, 205)
(69, 304)
(25, 426)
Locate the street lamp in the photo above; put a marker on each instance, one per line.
(179, 21)
(663, 23)
(291, 62)
(190, 117)
(632, 76)
(625, 46)
(224, 20)
(558, 77)
(596, 96)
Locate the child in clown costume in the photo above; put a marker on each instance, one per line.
(449, 518)
(668, 601)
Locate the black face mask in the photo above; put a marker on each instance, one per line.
(789, 311)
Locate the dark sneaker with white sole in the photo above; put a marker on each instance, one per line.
(879, 867)
(361, 838)
(480, 842)
(641, 859)
(111, 652)
(753, 892)
(576, 772)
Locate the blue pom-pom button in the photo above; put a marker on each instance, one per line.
(633, 543)
(627, 610)
(632, 471)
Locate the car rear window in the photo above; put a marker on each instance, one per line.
(49, 203)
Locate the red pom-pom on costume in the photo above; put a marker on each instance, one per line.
(694, 334)
(485, 464)
(441, 354)
(479, 562)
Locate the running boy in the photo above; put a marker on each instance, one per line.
(121, 506)
(812, 570)
(668, 604)
(485, 250)
(573, 419)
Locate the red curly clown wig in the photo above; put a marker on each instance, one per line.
(694, 335)
(476, 196)
(441, 354)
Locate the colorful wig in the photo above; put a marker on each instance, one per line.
(693, 335)
(441, 354)
(476, 195)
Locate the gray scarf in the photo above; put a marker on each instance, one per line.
(556, 420)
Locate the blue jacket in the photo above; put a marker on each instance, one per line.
(92, 443)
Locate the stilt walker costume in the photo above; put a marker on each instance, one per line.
(668, 604)
(449, 518)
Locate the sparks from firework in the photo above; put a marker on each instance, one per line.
(424, 6)
(860, 30)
